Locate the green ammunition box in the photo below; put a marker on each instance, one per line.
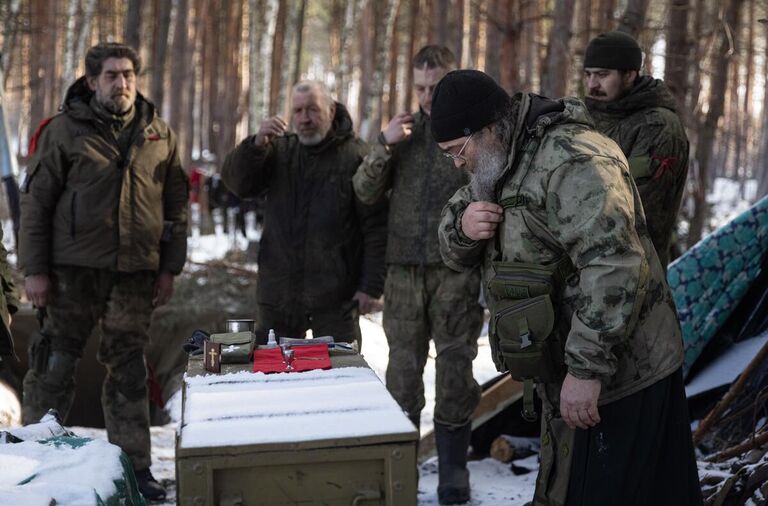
(353, 466)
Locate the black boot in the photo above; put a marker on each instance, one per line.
(148, 485)
(452, 446)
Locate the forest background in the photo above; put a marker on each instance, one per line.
(217, 68)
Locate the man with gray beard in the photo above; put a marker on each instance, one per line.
(321, 261)
(578, 298)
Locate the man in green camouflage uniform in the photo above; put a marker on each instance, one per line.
(639, 113)
(423, 299)
(103, 233)
(545, 186)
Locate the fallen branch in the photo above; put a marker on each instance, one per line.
(714, 415)
(750, 444)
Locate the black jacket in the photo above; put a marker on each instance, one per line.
(320, 243)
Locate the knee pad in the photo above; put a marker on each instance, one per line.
(60, 367)
(130, 379)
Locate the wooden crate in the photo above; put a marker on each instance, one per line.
(362, 464)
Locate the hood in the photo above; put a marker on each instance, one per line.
(534, 114)
(645, 94)
(78, 97)
(541, 112)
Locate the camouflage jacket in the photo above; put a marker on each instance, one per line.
(86, 202)
(574, 195)
(422, 181)
(320, 243)
(646, 127)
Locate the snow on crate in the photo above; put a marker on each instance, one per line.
(221, 410)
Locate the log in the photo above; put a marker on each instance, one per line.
(713, 416)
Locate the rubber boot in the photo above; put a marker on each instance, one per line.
(453, 477)
(148, 485)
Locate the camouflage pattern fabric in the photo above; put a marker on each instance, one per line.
(120, 303)
(709, 281)
(433, 302)
(648, 130)
(421, 181)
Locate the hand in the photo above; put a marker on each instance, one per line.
(37, 287)
(365, 303)
(578, 402)
(270, 127)
(163, 289)
(399, 128)
(480, 220)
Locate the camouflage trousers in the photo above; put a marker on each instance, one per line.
(121, 303)
(433, 302)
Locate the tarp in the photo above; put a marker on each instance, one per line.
(710, 279)
(46, 464)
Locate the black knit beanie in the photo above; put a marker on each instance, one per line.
(465, 101)
(613, 50)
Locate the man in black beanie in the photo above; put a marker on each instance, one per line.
(578, 300)
(638, 112)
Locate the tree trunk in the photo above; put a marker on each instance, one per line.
(180, 72)
(555, 78)
(68, 76)
(162, 25)
(369, 130)
(276, 73)
(676, 65)
(351, 17)
(394, 48)
(367, 35)
(510, 47)
(132, 28)
(39, 48)
(746, 128)
(457, 28)
(633, 19)
(692, 110)
(473, 43)
(299, 27)
(412, 25)
(10, 37)
(495, 33)
(605, 20)
(708, 128)
(194, 86)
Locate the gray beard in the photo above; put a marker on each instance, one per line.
(490, 166)
(312, 140)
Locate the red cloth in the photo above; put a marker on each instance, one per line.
(306, 358)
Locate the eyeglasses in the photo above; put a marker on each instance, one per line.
(458, 156)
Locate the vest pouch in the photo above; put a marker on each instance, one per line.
(523, 331)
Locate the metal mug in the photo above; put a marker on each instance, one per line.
(240, 325)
